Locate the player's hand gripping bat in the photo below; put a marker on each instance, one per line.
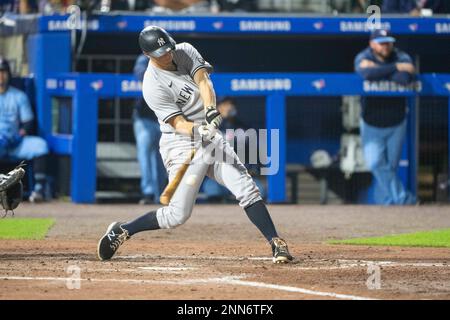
(207, 133)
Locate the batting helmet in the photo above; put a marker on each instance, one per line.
(156, 41)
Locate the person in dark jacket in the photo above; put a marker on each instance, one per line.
(383, 123)
(147, 134)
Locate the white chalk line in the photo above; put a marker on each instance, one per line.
(294, 289)
(237, 281)
(166, 269)
(234, 280)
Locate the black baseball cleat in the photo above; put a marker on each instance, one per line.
(114, 237)
(280, 251)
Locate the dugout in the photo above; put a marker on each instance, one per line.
(300, 53)
(233, 44)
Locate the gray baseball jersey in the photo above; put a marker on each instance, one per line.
(171, 93)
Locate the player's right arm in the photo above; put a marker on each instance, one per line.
(181, 125)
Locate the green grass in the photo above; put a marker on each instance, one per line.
(24, 228)
(436, 238)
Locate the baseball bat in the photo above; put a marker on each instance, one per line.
(173, 184)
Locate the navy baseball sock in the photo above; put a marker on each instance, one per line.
(258, 214)
(145, 222)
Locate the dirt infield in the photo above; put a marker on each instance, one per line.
(218, 254)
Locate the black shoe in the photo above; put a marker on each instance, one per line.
(114, 237)
(280, 251)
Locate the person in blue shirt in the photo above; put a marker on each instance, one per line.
(383, 123)
(147, 134)
(16, 124)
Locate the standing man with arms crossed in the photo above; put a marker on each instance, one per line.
(383, 124)
(178, 89)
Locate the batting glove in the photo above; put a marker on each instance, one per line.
(205, 132)
(213, 117)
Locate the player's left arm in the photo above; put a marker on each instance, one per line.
(199, 70)
(205, 85)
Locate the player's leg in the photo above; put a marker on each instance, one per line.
(173, 215)
(174, 156)
(232, 174)
(394, 150)
(375, 157)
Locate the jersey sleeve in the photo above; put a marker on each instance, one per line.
(162, 103)
(192, 60)
(25, 111)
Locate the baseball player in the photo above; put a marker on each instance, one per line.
(177, 87)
